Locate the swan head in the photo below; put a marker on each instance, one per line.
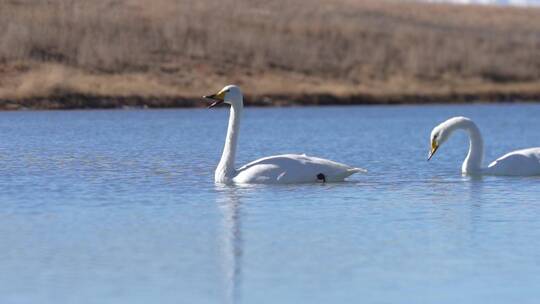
(441, 133)
(230, 94)
(437, 138)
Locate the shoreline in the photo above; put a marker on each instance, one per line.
(85, 101)
(327, 53)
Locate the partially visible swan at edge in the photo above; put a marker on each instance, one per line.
(524, 162)
(287, 168)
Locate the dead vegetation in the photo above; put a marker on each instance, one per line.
(167, 48)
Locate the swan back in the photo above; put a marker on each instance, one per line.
(293, 168)
(524, 162)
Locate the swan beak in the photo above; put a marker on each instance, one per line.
(434, 148)
(218, 99)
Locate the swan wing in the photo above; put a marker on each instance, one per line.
(524, 162)
(293, 168)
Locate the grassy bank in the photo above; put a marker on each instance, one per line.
(165, 53)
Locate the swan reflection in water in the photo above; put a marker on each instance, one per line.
(228, 200)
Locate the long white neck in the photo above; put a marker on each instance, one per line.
(225, 170)
(473, 162)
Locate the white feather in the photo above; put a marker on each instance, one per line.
(279, 169)
(293, 168)
(524, 162)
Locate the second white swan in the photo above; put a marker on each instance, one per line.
(287, 168)
(524, 162)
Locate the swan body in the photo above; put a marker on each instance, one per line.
(279, 169)
(524, 162)
(293, 168)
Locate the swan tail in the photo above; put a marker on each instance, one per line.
(356, 170)
(350, 171)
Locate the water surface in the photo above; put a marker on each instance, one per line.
(120, 207)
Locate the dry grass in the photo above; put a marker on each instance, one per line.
(187, 47)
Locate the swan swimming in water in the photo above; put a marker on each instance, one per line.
(524, 162)
(279, 169)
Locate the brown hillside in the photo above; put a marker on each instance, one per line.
(165, 49)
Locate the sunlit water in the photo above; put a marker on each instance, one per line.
(120, 207)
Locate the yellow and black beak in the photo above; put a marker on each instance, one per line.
(434, 148)
(218, 98)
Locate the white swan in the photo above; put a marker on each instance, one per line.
(287, 168)
(524, 162)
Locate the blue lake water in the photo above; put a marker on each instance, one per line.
(120, 207)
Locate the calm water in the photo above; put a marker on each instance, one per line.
(120, 207)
